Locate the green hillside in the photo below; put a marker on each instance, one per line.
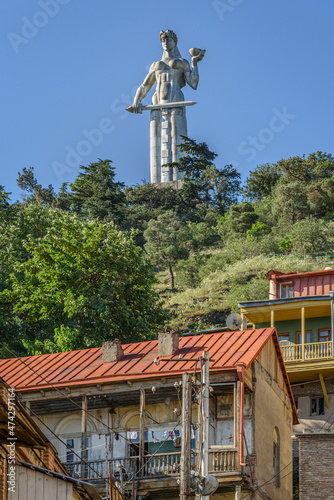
(100, 260)
(218, 294)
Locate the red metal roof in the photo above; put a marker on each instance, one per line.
(85, 367)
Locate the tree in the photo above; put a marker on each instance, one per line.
(238, 219)
(28, 182)
(309, 235)
(261, 182)
(81, 282)
(166, 239)
(258, 230)
(96, 195)
(203, 183)
(145, 202)
(306, 186)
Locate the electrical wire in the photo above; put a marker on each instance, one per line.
(68, 397)
(269, 481)
(67, 446)
(152, 456)
(82, 409)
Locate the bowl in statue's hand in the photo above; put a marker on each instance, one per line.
(196, 52)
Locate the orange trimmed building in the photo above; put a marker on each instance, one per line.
(120, 403)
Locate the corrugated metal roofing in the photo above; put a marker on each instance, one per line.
(85, 367)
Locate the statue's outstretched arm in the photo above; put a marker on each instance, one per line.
(142, 91)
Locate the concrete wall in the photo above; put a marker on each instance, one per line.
(303, 393)
(272, 408)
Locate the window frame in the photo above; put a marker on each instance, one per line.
(276, 458)
(318, 414)
(285, 334)
(286, 286)
(299, 332)
(329, 333)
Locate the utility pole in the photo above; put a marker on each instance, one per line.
(142, 430)
(205, 423)
(185, 479)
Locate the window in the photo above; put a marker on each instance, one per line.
(317, 406)
(284, 336)
(286, 290)
(308, 336)
(69, 454)
(324, 334)
(133, 438)
(276, 459)
(75, 444)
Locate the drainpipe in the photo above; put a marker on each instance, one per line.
(241, 375)
(331, 294)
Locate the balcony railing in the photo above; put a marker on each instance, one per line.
(221, 462)
(315, 350)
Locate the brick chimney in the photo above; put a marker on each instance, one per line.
(112, 351)
(168, 343)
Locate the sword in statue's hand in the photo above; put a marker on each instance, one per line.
(139, 108)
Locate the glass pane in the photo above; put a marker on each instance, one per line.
(307, 337)
(321, 406)
(283, 337)
(313, 406)
(283, 291)
(324, 335)
(290, 290)
(69, 454)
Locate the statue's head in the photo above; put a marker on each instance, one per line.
(168, 34)
(169, 43)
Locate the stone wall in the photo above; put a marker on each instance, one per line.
(316, 466)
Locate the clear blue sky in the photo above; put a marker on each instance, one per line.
(70, 66)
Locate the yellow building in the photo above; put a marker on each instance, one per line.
(300, 306)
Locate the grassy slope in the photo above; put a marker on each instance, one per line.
(208, 305)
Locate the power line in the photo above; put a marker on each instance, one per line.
(67, 446)
(152, 456)
(68, 397)
(269, 481)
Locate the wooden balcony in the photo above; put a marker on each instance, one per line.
(222, 462)
(314, 351)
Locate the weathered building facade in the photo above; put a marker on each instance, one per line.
(300, 308)
(29, 463)
(124, 403)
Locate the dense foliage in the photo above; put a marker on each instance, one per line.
(76, 265)
(71, 283)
